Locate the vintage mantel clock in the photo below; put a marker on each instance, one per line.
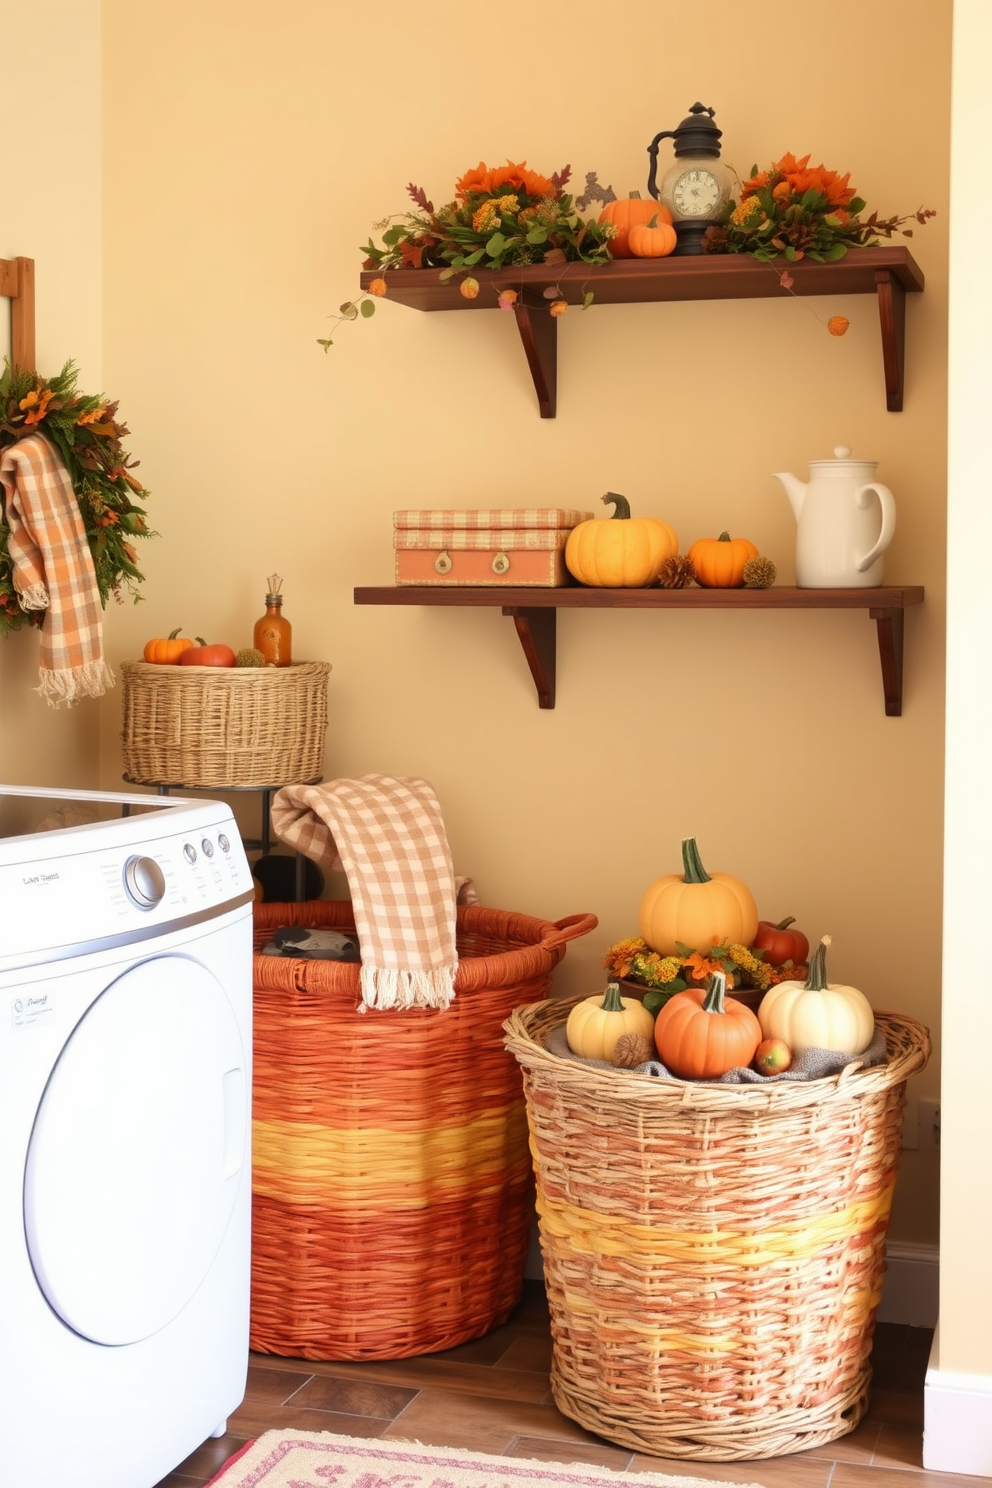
(696, 187)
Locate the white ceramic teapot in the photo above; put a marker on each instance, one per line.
(845, 520)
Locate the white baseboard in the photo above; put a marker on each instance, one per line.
(957, 1420)
(911, 1291)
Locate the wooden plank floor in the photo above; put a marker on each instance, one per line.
(493, 1395)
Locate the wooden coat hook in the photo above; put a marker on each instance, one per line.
(17, 284)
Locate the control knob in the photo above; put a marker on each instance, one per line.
(144, 881)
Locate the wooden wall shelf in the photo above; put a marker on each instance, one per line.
(534, 615)
(889, 273)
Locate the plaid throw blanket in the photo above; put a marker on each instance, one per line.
(386, 834)
(53, 570)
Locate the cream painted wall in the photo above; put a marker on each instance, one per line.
(966, 1115)
(53, 215)
(248, 150)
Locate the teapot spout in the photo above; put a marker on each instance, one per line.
(795, 489)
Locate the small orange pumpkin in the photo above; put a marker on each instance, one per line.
(626, 214)
(700, 1033)
(167, 651)
(654, 239)
(719, 561)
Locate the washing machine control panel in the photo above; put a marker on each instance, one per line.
(65, 893)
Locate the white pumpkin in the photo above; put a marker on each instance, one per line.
(817, 1014)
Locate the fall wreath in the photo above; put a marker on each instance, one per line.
(85, 431)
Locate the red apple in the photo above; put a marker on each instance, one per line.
(772, 1056)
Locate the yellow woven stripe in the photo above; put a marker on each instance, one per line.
(305, 1163)
(589, 1233)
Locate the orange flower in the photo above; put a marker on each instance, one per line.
(93, 415)
(485, 182)
(37, 406)
(837, 325)
(701, 966)
(507, 299)
(478, 182)
(377, 288)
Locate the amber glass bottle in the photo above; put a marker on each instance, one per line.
(273, 632)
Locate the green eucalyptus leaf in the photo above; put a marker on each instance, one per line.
(837, 250)
(367, 308)
(537, 235)
(349, 310)
(445, 275)
(495, 245)
(587, 299)
(473, 258)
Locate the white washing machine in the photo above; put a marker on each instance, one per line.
(125, 1174)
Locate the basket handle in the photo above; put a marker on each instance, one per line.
(568, 929)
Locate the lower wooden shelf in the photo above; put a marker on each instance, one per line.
(534, 615)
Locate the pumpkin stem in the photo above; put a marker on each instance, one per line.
(816, 980)
(174, 633)
(724, 537)
(612, 1001)
(622, 513)
(634, 195)
(692, 867)
(713, 1001)
(784, 924)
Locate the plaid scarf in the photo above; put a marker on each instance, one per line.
(387, 836)
(53, 570)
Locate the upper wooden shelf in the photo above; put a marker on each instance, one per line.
(534, 614)
(887, 272)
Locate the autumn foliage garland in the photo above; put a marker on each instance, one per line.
(85, 431)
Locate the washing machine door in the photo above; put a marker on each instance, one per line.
(137, 1152)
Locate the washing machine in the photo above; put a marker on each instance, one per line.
(125, 1175)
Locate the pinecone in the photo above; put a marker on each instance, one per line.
(759, 573)
(632, 1049)
(676, 572)
(249, 657)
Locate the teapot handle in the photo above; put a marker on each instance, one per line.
(888, 505)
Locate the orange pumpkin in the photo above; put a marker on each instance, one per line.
(696, 908)
(654, 239)
(700, 1034)
(626, 214)
(719, 561)
(167, 651)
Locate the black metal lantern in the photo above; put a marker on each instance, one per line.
(697, 186)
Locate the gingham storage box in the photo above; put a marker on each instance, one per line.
(522, 546)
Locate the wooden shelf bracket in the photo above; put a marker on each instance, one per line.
(892, 323)
(890, 624)
(537, 633)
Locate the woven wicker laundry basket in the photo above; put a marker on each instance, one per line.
(391, 1178)
(224, 726)
(713, 1254)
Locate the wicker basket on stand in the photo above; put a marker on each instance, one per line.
(713, 1254)
(391, 1177)
(206, 727)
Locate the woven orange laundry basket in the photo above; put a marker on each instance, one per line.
(713, 1254)
(391, 1176)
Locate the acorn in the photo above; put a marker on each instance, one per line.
(249, 657)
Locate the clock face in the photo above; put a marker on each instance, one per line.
(696, 192)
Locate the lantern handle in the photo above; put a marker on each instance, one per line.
(653, 152)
